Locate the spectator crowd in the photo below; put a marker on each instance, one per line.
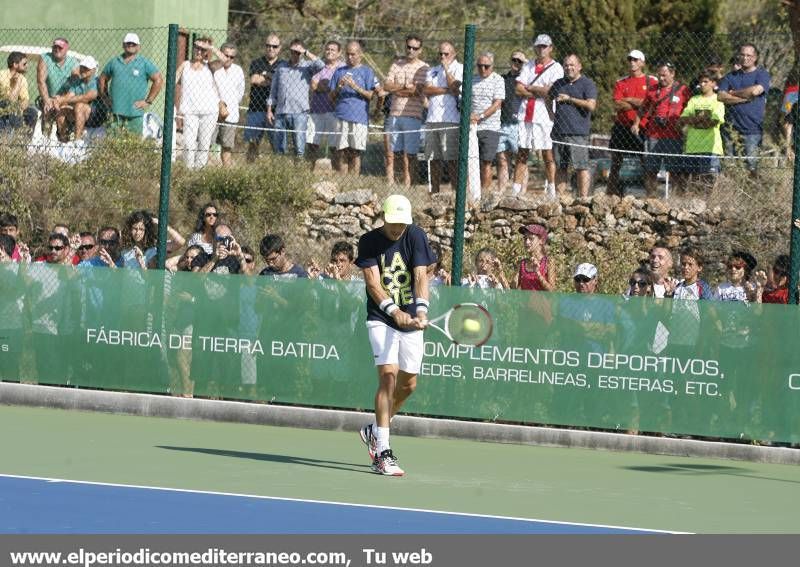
(305, 104)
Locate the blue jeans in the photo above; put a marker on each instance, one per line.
(749, 147)
(296, 122)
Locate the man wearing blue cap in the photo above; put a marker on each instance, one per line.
(394, 258)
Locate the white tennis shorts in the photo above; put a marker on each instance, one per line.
(535, 136)
(390, 346)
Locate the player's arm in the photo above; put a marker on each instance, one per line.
(372, 279)
(422, 293)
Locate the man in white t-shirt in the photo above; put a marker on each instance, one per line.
(488, 94)
(230, 82)
(535, 114)
(443, 87)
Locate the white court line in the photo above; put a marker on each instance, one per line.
(349, 504)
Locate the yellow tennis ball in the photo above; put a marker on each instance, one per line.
(472, 325)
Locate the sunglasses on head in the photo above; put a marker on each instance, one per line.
(582, 279)
(86, 246)
(638, 283)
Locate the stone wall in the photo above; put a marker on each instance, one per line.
(576, 222)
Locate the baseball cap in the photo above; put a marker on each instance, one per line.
(397, 209)
(543, 39)
(636, 54)
(534, 229)
(585, 269)
(61, 42)
(131, 38)
(88, 62)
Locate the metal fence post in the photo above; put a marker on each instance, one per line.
(463, 153)
(166, 145)
(794, 247)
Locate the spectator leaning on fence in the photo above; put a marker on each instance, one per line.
(658, 120)
(443, 88)
(508, 146)
(261, 72)
(78, 104)
(198, 101)
(629, 94)
(576, 98)
(230, 85)
(744, 92)
(15, 109)
(536, 114)
(353, 86)
(488, 94)
(131, 82)
(322, 124)
(405, 82)
(703, 116)
(52, 72)
(288, 104)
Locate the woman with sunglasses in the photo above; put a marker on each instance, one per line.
(640, 283)
(203, 234)
(739, 287)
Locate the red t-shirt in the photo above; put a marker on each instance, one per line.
(777, 295)
(530, 279)
(663, 106)
(631, 87)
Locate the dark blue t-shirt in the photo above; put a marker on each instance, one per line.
(396, 261)
(746, 117)
(571, 120)
(296, 271)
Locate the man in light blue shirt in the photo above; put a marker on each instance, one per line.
(287, 105)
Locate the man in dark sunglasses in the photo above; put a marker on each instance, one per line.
(58, 250)
(261, 72)
(107, 253)
(405, 82)
(88, 246)
(508, 146)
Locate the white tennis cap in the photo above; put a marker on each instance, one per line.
(131, 38)
(543, 39)
(636, 54)
(397, 209)
(586, 269)
(88, 62)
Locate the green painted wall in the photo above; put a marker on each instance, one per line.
(110, 14)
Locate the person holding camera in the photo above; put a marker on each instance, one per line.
(658, 120)
(227, 256)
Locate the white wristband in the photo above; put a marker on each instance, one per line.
(422, 309)
(391, 309)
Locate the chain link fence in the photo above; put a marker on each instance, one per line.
(295, 109)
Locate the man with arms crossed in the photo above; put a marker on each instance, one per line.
(394, 259)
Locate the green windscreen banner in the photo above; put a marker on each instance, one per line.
(711, 369)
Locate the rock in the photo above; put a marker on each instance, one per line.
(573, 241)
(639, 215)
(577, 210)
(517, 204)
(325, 190)
(570, 222)
(335, 211)
(360, 197)
(656, 207)
(500, 222)
(437, 210)
(549, 209)
(696, 206)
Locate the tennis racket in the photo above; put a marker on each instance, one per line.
(465, 324)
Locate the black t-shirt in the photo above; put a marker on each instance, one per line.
(396, 261)
(508, 111)
(294, 272)
(228, 265)
(260, 94)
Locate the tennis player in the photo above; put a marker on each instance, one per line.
(394, 259)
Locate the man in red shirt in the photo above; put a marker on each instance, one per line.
(629, 93)
(658, 120)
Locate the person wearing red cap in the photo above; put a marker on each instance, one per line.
(536, 272)
(52, 72)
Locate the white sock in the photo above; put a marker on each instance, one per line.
(382, 435)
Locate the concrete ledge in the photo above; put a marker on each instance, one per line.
(264, 414)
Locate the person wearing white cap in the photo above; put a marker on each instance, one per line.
(124, 85)
(77, 102)
(394, 259)
(629, 93)
(535, 114)
(52, 72)
(585, 278)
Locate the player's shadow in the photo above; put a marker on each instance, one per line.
(699, 469)
(271, 458)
